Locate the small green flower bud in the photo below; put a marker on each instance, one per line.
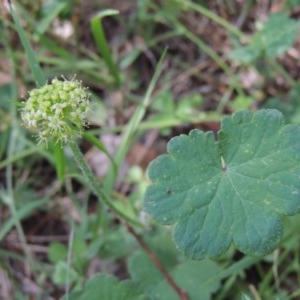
(57, 110)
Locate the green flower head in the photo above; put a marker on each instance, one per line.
(57, 110)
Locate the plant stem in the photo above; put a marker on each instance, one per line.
(181, 293)
(69, 258)
(94, 184)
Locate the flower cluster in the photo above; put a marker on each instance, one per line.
(57, 110)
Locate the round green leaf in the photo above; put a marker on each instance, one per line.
(234, 190)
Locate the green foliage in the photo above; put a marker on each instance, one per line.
(50, 11)
(289, 106)
(100, 39)
(192, 86)
(64, 274)
(23, 212)
(197, 278)
(5, 106)
(168, 111)
(57, 252)
(194, 277)
(108, 287)
(234, 190)
(241, 103)
(278, 34)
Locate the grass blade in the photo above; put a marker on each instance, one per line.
(102, 44)
(134, 123)
(33, 63)
(20, 214)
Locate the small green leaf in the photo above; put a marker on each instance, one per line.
(242, 102)
(246, 54)
(107, 287)
(234, 190)
(193, 277)
(277, 36)
(245, 297)
(57, 252)
(164, 103)
(63, 273)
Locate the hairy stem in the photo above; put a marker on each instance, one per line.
(94, 183)
(95, 186)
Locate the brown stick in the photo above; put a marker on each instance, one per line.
(181, 293)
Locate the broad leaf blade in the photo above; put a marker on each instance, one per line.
(234, 190)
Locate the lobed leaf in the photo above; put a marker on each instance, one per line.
(234, 190)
